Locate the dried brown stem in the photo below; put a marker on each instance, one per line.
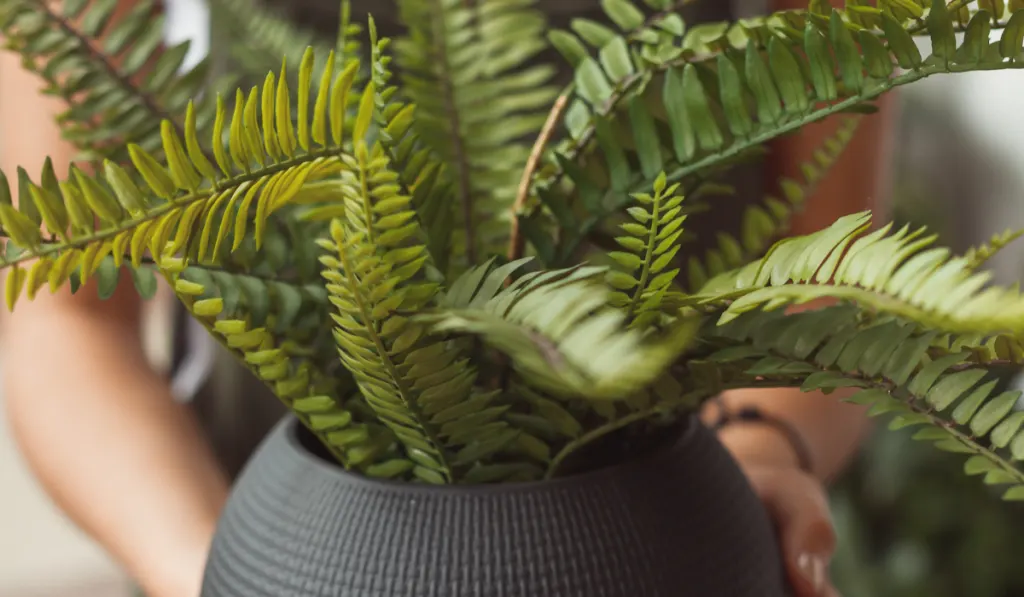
(516, 243)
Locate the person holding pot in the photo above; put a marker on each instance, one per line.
(145, 474)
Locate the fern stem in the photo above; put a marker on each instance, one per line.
(284, 280)
(516, 243)
(364, 188)
(692, 398)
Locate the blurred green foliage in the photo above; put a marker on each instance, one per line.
(910, 523)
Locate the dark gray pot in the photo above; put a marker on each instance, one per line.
(681, 523)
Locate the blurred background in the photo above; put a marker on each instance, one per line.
(911, 525)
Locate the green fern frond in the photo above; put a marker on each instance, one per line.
(650, 245)
(191, 205)
(764, 223)
(978, 256)
(300, 386)
(693, 115)
(892, 272)
(421, 388)
(257, 37)
(422, 173)
(954, 398)
(466, 65)
(560, 330)
(117, 92)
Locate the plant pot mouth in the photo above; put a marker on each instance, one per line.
(308, 449)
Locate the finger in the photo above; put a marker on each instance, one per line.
(799, 507)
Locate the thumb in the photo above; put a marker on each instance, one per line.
(799, 506)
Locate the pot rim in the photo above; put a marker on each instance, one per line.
(291, 426)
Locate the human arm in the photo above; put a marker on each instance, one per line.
(96, 424)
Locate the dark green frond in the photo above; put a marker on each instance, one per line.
(695, 114)
(560, 331)
(258, 38)
(468, 68)
(953, 399)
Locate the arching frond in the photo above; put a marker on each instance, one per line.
(631, 118)
(894, 272)
(118, 91)
(765, 222)
(952, 398)
(467, 66)
(560, 331)
(193, 205)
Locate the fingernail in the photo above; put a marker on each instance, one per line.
(813, 569)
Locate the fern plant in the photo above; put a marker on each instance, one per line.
(458, 274)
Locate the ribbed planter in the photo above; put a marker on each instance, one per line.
(680, 523)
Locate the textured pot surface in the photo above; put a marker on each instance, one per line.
(682, 523)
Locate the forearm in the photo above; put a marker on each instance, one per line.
(115, 452)
(831, 428)
(97, 425)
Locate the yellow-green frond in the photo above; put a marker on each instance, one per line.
(764, 222)
(185, 206)
(422, 388)
(979, 255)
(302, 387)
(954, 400)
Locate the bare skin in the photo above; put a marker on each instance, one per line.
(130, 466)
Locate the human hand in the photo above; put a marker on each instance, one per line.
(796, 500)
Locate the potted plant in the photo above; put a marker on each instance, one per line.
(493, 350)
